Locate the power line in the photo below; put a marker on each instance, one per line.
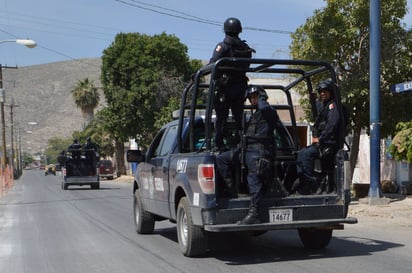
(179, 12)
(184, 17)
(188, 17)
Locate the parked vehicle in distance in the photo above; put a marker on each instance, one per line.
(106, 169)
(50, 169)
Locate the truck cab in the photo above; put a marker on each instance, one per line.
(177, 177)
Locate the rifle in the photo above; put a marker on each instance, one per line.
(243, 145)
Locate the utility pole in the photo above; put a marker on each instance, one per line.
(3, 122)
(375, 193)
(12, 105)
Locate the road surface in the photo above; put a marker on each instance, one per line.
(44, 229)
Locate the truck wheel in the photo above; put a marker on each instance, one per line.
(95, 186)
(144, 221)
(315, 238)
(192, 239)
(65, 186)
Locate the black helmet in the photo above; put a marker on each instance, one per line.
(252, 89)
(75, 140)
(326, 85)
(232, 25)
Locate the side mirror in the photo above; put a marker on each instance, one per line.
(135, 156)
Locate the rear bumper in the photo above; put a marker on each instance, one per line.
(81, 180)
(326, 211)
(325, 223)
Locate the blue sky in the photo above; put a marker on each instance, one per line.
(73, 29)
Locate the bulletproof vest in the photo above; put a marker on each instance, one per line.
(258, 129)
(322, 120)
(238, 49)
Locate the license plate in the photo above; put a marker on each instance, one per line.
(280, 215)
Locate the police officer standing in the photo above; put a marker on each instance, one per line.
(232, 84)
(74, 149)
(324, 138)
(91, 153)
(258, 149)
(89, 144)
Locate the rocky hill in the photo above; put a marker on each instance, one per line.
(42, 94)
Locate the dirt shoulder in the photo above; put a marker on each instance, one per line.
(124, 178)
(398, 211)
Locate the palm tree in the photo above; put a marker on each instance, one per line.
(86, 97)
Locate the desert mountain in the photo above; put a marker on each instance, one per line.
(42, 94)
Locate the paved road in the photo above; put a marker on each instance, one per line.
(45, 229)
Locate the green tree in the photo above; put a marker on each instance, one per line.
(339, 33)
(54, 146)
(86, 97)
(134, 67)
(99, 134)
(401, 146)
(27, 159)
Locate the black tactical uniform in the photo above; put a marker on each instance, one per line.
(230, 85)
(259, 150)
(74, 149)
(90, 151)
(326, 129)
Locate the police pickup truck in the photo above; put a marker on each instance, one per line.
(177, 177)
(79, 167)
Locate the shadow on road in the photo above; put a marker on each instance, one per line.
(284, 245)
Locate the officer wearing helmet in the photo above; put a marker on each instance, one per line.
(324, 138)
(74, 149)
(258, 148)
(89, 144)
(230, 85)
(90, 151)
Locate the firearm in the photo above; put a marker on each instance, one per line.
(243, 145)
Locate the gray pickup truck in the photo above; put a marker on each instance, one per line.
(177, 177)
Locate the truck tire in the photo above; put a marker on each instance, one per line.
(315, 238)
(65, 186)
(95, 186)
(192, 239)
(144, 221)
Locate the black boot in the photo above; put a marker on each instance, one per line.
(251, 218)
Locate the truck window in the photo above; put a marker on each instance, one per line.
(164, 142)
(198, 137)
(168, 141)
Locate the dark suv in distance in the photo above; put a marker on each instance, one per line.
(106, 169)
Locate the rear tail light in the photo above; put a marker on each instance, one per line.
(64, 171)
(206, 178)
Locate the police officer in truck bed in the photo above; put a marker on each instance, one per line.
(232, 84)
(259, 150)
(324, 138)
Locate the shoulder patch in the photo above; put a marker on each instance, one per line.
(218, 48)
(331, 106)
